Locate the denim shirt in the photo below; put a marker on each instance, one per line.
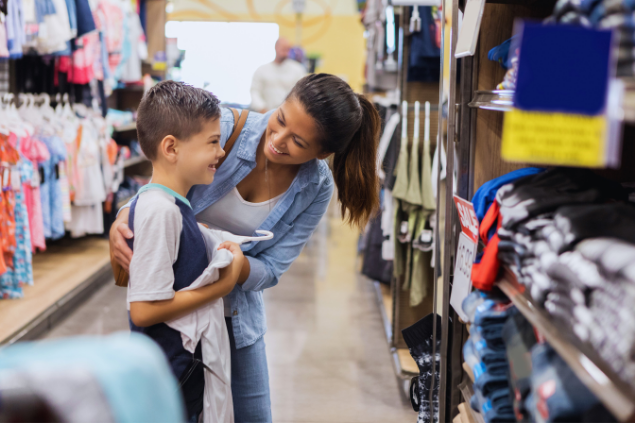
(292, 221)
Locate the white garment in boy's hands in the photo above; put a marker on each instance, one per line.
(207, 325)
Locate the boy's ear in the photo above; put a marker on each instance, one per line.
(168, 148)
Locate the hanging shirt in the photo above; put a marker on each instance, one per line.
(20, 272)
(36, 153)
(15, 29)
(131, 68)
(55, 31)
(51, 190)
(273, 82)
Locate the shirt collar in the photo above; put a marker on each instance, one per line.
(165, 189)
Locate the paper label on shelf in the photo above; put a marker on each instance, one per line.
(462, 283)
(470, 28)
(554, 138)
(467, 218)
(562, 113)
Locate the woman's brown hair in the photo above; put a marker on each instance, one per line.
(349, 128)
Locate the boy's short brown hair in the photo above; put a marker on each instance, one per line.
(173, 108)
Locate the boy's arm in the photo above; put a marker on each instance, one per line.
(148, 313)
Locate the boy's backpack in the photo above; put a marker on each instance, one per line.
(120, 274)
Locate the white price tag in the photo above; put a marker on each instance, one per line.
(462, 285)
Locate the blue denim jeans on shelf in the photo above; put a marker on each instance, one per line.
(496, 408)
(493, 362)
(250, 381)
(558, 394)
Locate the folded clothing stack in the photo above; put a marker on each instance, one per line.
(569, 237)
(527, 204)
(516, 378)
(595, 292)
(557, 395)
(484, 352)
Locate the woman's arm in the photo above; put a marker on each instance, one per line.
(266, 268)
(148, 313)
(119, 233)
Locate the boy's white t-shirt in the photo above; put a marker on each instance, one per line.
(157, 233)
(158, 223)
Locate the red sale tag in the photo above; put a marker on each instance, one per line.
(467, 217)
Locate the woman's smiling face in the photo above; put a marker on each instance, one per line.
(292, 136)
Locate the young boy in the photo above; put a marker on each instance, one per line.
(179, 131)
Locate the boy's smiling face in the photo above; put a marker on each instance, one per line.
(199, 155)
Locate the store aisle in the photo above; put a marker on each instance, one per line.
(328, 358)
(327, 351)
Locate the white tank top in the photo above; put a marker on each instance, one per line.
(233, 214)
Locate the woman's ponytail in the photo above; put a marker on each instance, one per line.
(355, 169)
(349, 126)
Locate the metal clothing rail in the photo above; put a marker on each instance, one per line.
(615, 394)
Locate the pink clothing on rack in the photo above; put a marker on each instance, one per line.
(36, 152)
(112, 28)
(80, 66)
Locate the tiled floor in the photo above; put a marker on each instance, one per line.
(327, 352)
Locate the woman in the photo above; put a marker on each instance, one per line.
(274, 179)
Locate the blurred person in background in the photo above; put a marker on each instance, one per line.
(273, 82)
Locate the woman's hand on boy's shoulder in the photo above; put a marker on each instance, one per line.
(119, 233)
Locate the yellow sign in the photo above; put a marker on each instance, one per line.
(554, 138)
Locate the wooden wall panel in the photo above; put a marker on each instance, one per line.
(496, 27)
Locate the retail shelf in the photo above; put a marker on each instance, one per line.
(132, 126)
(498, 100)
(404, 365)
(502, 100)
(65, 275)
(615, 394)
(466, 390)
(134, 160)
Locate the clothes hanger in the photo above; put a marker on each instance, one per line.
(14, 121)
(401, 183)
(427, 191)
(68, 111)
(80, 110)
(47, 111)
(58, 108)
(3, 118)
(413, 194)
(266, 235)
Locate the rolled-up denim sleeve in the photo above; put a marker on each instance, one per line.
(269, 265)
